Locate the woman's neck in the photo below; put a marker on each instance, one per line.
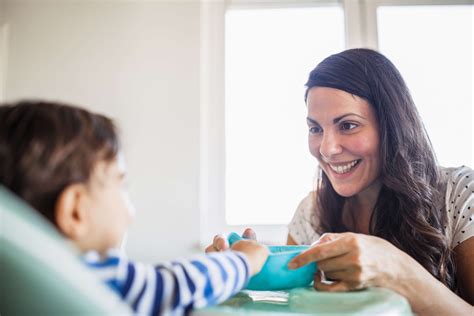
(358, 209)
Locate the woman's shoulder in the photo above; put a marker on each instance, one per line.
(457, 174)
(459, 202)
(304, 223)
(459, 182)
(308, 202)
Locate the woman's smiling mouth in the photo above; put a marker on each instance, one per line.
(344, 168)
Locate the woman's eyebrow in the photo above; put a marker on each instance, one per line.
(311, 121)
(337, 119)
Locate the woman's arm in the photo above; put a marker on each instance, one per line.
(427, 295)
(357, 261)
(464, 257)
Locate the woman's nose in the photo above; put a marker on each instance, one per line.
(330, 146)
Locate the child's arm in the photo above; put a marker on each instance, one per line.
(181, 285)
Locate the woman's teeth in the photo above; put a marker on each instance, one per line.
(344, 168)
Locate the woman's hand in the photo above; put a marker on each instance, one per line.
(353, 261)
(220, 243)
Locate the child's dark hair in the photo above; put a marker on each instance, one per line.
(46, 146)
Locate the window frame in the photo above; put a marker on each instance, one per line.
(360, 17)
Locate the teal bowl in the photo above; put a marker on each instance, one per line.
(275, 274)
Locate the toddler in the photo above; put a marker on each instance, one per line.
(66, 163)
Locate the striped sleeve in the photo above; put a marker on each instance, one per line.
(174, 287)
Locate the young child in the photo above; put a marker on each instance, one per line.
(66, 163)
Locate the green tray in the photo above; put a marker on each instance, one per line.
(307, 301)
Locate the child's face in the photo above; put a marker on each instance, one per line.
(109, 210)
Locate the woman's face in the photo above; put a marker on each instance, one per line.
(344, 137)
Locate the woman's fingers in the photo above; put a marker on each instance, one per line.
(330, 286)
(319, 252)
(339, 275)
(317, 277)
(349, 261)
(343, 262)
(325, 238)
(338, 286)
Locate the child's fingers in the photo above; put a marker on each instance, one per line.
(249, 233)
(210, 248)
(220, 243)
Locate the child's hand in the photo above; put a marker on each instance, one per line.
(220, 242)
(256, 253)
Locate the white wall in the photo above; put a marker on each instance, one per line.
(1, 11)
(3, 50)
(138, 62)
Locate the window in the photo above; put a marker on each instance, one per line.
(268, 166)
(434, 56)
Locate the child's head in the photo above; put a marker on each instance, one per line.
(66, 163)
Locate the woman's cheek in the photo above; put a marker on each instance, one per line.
(313, 147)
(367, 144)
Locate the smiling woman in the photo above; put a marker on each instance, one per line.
(384, 213)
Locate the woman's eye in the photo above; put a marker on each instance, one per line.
(315, 130)
(346, 126)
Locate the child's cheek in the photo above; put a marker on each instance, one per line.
(129, 206)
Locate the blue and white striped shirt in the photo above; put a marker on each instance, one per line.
(174, 287)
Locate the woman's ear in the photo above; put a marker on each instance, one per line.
(70, 214)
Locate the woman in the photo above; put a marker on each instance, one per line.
(383, 213)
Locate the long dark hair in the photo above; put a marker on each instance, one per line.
(409, 209)
(45, 146)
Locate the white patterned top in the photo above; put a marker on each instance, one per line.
(459, 204)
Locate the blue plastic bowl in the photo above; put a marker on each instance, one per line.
(275, 274)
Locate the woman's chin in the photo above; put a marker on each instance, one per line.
(345, 192)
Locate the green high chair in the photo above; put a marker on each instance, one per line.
(40, 273)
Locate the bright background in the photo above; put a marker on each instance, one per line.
(209, 95)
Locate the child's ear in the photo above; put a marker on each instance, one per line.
(71, 216)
